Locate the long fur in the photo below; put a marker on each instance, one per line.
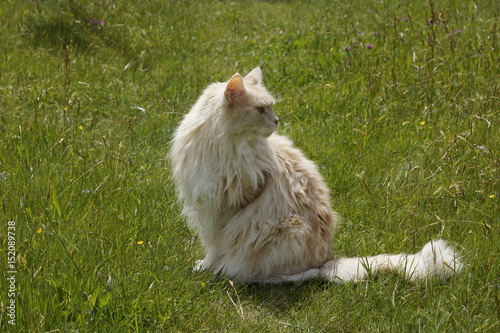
(260, 208)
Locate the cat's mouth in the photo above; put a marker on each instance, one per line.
(266, 132)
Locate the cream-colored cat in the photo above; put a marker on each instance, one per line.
(260, 208)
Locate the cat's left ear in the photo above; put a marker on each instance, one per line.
(255, 76)
(235, 88)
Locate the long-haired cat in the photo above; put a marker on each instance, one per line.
(260, 208)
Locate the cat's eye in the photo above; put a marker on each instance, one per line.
(261, 109)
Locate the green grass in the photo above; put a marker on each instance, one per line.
(406, 134)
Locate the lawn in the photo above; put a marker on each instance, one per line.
(396, 101)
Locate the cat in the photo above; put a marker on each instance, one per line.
(260, 208)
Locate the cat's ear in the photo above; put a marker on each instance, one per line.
(235, 88)
(255, 76)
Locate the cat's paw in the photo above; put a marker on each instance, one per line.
(199, 265)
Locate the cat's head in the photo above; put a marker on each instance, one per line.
(249, 106)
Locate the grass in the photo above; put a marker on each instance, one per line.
(397, 102)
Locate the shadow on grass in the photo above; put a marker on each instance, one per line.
(57, 24)
(83, 28)
(281, 298)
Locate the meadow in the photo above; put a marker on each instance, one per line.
(396, 101)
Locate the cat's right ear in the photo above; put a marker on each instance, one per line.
(235, 88)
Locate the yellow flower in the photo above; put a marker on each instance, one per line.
(140, 242)
(491, 195)
(80, 127)
(39, 231)
(422, 122)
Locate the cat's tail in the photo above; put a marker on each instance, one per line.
(437, 260)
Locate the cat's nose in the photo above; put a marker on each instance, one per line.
(276, 120)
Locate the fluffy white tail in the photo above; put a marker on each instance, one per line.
(437, 260)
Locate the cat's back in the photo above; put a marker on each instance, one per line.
(289, 156)
(300, 181)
